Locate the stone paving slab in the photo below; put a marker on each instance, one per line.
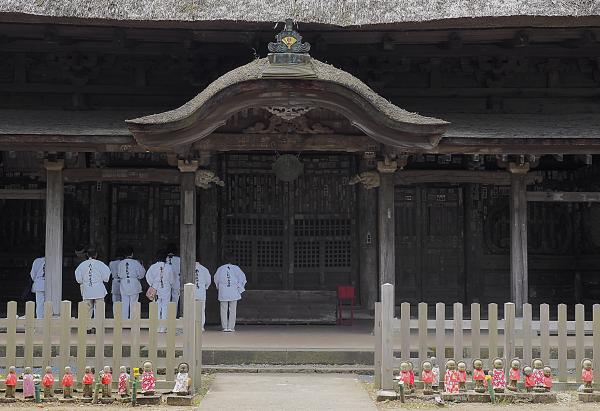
(286, 392)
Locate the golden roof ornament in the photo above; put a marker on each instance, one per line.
(289, 48)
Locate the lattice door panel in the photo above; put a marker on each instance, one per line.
(294, 235)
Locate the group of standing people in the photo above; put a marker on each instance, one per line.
(163, 278)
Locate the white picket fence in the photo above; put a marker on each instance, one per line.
(61, 341)
(561, 344)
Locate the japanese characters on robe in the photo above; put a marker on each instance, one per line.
(28, 385)
(160, 277)
(451, 381)
(148, 381)
(67, 380)
(175, 263)
(498, 378)
(202, 280)
(123, 380)
(48, 380)
(91, 274)
(230, 280)
(130, 273)
(38, 276)
(115, 288)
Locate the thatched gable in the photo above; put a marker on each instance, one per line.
(340, 13)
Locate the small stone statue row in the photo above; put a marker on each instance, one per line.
(148, 382)
(538, 378)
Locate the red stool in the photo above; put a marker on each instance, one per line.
(345, 297)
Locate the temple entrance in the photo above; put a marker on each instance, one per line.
(429, 244)
(298, 235)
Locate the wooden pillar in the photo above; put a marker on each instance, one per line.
(386, 223)
(54, 233)
(519, 283)
(187, 221)
(367, 226)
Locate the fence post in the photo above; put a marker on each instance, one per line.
(492, 332)
(47, 335)
(99, 325)
(422, 333)
(82, 322)
(135, 321)
(198, 345)
(65, 337)
(562, 343)
(387, 332)
(527, 333)
(579, 338)
(152, 331)
(404, 331)
(117, 336)
(11, 333)
(545, 333)
(458, 331)
(475, 331)
(29, 331)
(509, 334)
(596, 336)
(378, 347)
(440, 336)
(171, 331)
(189, 330)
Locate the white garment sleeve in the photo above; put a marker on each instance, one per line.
(141, 270)
(207, 279)
(104, 271)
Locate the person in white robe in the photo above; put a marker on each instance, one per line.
(175, 262)
(160, 277)
(38, 276)
(91, 275)
(202, 280)
(230, 280)
(114, 273)
(130, 272)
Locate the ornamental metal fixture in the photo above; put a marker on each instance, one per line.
(287, 167)
(289, 47)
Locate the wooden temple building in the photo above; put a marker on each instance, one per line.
(302, 157)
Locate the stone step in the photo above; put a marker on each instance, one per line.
(304, 368)
(286, 357)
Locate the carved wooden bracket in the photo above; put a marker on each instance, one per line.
(204, 179)
(369, 179)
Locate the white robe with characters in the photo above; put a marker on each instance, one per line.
(91, 275)
(116, 282)
(130, 274)
(202, 280)
(175, 263)
(230, 280)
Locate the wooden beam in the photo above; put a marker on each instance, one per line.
(165, 176)
(287, 142)
(187, 222)
(367, 228)
(386, 219)
(564, 196)
(499, 178)
(468, 145)
(519, 283)
(17, 194)
(54, 233)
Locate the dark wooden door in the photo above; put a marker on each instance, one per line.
(145, 216)
(290, 235)
(429, 244)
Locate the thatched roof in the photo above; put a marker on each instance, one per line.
(340, 12)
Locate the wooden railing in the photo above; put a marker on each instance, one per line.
(61, 341)
(560, 344)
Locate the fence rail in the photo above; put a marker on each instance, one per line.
(561, 344)
(61, 341)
